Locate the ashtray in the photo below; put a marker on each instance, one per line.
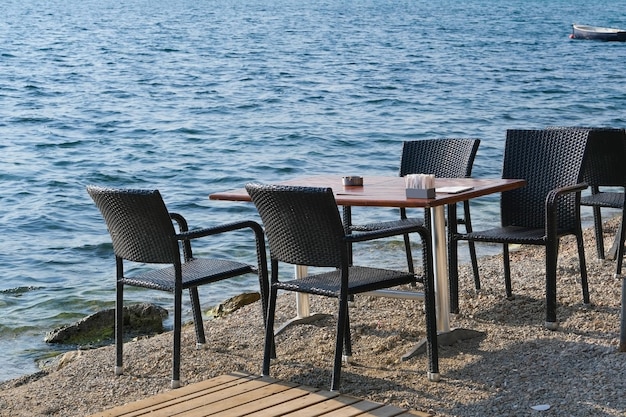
(353, 180)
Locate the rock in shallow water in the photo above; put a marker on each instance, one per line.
(98, 328)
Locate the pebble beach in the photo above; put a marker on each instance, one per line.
(513, 369)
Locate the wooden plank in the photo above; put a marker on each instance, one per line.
(201, 395)
(296, 404)
(360, 407)
(178, 395)
(224, 399)
(264, 403)
(385, 411)
(236, 395)
(323, 407)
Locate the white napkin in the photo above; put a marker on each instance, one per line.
(423, 181)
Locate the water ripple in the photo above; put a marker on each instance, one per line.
(206, 96)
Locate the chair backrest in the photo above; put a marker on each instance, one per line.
(606, 154)
(547, 159)
(445, 158)
(139, 224)
(302, 224)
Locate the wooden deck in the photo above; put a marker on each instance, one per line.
(238, 394)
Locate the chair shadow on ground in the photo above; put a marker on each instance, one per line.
(528, 311)
(511, 385)
(514, 386)
(512, 390)
(511, 379)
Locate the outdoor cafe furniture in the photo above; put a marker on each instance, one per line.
(606, 176)
(546, 209)
(390, 191)
(303, 227)
(142, 231)
(444, 158)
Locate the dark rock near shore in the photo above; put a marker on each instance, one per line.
(234, 303)
(99, 328)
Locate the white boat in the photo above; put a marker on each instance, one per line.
(598, 33)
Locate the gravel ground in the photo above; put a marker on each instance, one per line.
(515, 365)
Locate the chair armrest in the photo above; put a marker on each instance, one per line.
(187, 235)
(382, 233)
(553, 195)
(227, 227)
(180, 220)
(551, 203)
(182, 227)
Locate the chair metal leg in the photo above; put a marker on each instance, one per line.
(341, 328)
(409, 255)
(551, 263)
(583, 266)
(269, 351)
(507, 271)
(471, 244)
(597, 221)
(453, 254)
(119, 329)
(620, 248)
(431, 315)
(407, 244)
(177, 336)
(453, 261)
(197, 316)
(622, 333)
(347, 223)
(612, 253)
(347, 338)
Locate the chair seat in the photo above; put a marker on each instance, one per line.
(604, 199)
(362, 279)
(387, 225)
(509, 234)
(369, 227)
(195, 272)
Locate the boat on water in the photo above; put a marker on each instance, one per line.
(598, 33)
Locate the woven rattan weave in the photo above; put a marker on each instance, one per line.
(445, 158)
(303, 227)
(547, 208)
(142, 230)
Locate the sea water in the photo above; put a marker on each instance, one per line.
(197, 96)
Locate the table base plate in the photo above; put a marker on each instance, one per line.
(301, 320)
(444, 339)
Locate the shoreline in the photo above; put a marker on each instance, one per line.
(514, 365)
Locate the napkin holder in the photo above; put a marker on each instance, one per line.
(420, 193)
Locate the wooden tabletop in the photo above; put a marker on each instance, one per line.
(387, 191)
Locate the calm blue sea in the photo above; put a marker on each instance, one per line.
(198, 96)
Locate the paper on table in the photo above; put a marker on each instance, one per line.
(454, 189)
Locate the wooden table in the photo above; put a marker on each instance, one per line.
(387, 191)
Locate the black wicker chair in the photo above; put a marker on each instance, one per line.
(604, 167)
(547, 208)
(303, 227)
(445, 158)
(142, 231)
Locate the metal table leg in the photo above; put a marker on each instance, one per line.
(445, 334)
